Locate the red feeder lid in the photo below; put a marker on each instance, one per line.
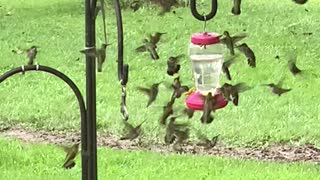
(195, 101)
(205, 38)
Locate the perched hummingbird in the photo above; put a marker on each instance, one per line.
(150, 47)
(208, 108)
(135, 5)
(72, 152)
(226, 65)
(152, 92)
(173, 65)
(244, 48)
(178, 88)
(133, 132)
(292, 66)
(207, 143)
(231, 92)
(188, 112)
(167, 111)
(300, 1)
(101, 56)
(277, 88)
(230, 41)
(31, 53)
(176, 131)
(236, 9)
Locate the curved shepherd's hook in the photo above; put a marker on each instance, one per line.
(84, 147)
(195, 13)
(123, 69)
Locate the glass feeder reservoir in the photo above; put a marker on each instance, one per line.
(206, 55)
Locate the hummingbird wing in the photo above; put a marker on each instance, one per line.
(238, 37)
(141, 48)
(144, 90)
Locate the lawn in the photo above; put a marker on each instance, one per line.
(27, 161)
(41, 101)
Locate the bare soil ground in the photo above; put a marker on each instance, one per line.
(275, 152)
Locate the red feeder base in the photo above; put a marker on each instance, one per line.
(195, 101)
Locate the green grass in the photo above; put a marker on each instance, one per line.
(42, 101)
(25, 161)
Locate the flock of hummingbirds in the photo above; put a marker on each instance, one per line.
(176, 133)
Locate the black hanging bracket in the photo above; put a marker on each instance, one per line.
(195, 13)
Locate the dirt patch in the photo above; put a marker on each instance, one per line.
(285, 153)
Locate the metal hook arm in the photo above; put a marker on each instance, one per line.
(195, 13)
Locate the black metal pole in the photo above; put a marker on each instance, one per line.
(84, 155)
(90, 6)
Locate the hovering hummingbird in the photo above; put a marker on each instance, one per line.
(167, 111)
(207, 143)
(178, 88)
(72, 152)
(151, 92)
(165, 5)
(227, 64)
(230, 41)
(236, 9)
(173, 65)
(231, 92)
(98, 53)
(244, 48)
(208, 108)
(101, 56)
(150, 47)
(292, 65)
(31, 53)
(277, 88)
(176, 131)
(156, 37)
(133, 132)
(300, 1)
(135, 5)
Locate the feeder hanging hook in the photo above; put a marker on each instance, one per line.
(195, 13)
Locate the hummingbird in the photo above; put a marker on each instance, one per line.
(300, 1)
(208, 108)
(244, 48)
(176, 131)
(150, 47)
(231, 92)
(277, 88)
(188, 112)
(236, 9)
(133, 132)
(292, 66)
(72, 152)
(230, 41)
(151, 92)
(135, 5)
(31, 53)
(165, 5)
(156, 37)
(167, 111)
(178, 88)
(101, 55)
(173, 65)
(206, 142)
(226, 65)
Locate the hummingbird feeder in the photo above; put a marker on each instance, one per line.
(207, 55)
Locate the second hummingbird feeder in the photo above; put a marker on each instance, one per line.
(207, 56)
